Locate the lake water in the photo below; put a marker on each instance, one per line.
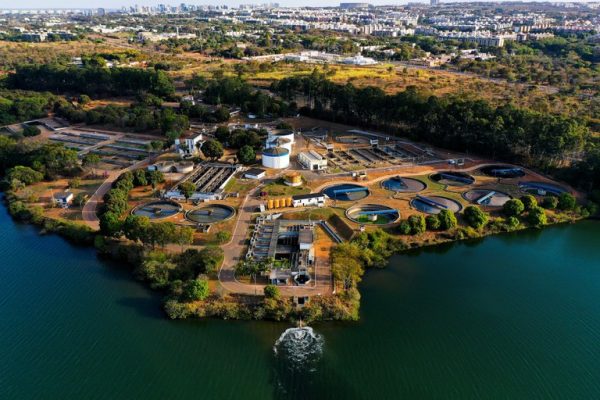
(513, 317)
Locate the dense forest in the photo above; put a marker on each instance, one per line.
(91, 80)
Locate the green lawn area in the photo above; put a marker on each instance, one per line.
(278, 188)
(240, 186)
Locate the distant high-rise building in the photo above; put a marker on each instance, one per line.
(348, 6)
(434, 3)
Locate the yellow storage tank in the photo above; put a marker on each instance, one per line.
(288, 202)
(270, 204)
(276, 201)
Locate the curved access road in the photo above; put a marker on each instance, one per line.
(88, 213)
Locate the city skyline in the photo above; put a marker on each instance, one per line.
(117, 4)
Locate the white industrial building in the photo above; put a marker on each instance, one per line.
(312, 160)
(255, 173)
(190, 144)
(308, 200)
(276, 157)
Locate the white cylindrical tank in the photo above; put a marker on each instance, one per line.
(282, 134)
(276, 157)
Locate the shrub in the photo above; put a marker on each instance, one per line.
(475, 217)
(528, 202)
(404, 227)
(223, 236)
(513, 208)
(447, 220)
(196, 289)
(30, 131)
(512, 223)
(272, 292)
(550, 202)
(566, 202)
(432, 222)
(537, 217)
(417, 224)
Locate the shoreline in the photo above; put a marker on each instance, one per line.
(343, 306)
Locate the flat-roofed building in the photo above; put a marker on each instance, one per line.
(312, 160)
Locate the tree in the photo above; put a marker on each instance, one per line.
(346, 266)
(550, 202)
(25, 175)
(31, 130)
(222, 134)
(513, 208)
(196, 289)
(157, 272)
(252, 268)
(529, 202)
(156, 177)
(184, 236)
(162, 233)
(475, 217)
(188, 189)
(140, 177)
(110, 225)
(404, 227)
(246, 155)
(512, 222)
(74, 183)
(212, 149)
(91, 160)
(80, 199)
(447, 219)
(137, 228)
(272, 292)
(537, 217)
(417, 224)
(566, 202)
(432, 222)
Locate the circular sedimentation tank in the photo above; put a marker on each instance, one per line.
(346, 192)
(374, 214)
(435, 204)
(502, 171)
(542, 188)
(486, 197)
(210, 214)
(157, 209)
(403, 185)
(453, 178)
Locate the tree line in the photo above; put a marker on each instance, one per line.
(91, 80)
(506, 132)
